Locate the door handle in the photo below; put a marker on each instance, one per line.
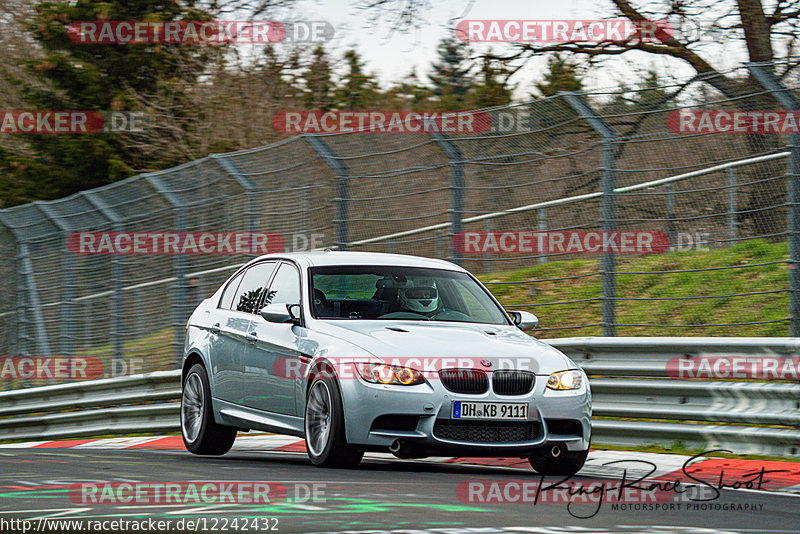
(252, 337)
(215, 329)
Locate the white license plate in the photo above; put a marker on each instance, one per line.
(490, 410)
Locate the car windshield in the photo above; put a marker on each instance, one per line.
(400, 293)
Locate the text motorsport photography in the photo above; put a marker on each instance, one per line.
(636, 490)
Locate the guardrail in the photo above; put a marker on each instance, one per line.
(634, 401)
(124, 405)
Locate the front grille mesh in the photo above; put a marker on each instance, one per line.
(512, 382)
(485, 431)
(466, 381)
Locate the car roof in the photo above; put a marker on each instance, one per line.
(339, 257)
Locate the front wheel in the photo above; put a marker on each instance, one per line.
(566, 464)
(324, 427)
(201, 435)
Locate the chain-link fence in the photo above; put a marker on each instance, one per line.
(614, 213)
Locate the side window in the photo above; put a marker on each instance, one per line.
(230, 292)
(249, 292)
(285, 288)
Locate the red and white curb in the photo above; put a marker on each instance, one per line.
(779, 476)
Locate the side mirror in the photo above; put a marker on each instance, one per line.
(281, 313)
(524, 320)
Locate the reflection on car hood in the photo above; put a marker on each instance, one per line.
(444, 344)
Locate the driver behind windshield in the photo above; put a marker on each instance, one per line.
(419, 296)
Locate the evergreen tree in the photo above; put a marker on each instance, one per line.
(451, 76)
(357, 90)
(319, 81)
(491, 89)
(410, 93)
(93, 77)
(561, 75)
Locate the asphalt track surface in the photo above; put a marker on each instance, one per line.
(381, 495)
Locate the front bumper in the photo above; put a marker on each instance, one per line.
(431, 403)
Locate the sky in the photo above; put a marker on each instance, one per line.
(391, 54)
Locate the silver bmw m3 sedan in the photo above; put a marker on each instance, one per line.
(358, 351)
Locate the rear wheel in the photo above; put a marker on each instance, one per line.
(201, 435)
(324, 427)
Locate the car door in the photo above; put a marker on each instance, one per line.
(230, 326)
(271, 358)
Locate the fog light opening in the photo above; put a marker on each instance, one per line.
(555, 452)
(395, 447)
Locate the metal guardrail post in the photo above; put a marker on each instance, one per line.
(342, 177)
(607, 203)
(763, 74)
(456, 188)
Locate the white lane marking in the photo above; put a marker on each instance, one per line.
(25, 445)
(248, 443)
(115, 443)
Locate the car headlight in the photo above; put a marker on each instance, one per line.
(565, 380)
(381, 373)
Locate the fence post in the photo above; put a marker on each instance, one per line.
(763, 74)
(179, 288)
(342, 177)
(669, 193)
(541, 216)
(607, 203)
(456, 188)
(251, 191)
(118, 304)
(731, 205)
(33, 299)
(67, 280)
(487, 256)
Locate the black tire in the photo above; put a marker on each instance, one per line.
(324, 427)
(567, 464)
(201, 434)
